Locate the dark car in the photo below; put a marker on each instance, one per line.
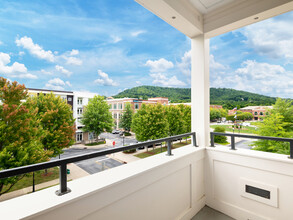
(115, 132)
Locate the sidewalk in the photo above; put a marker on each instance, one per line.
(75, 173)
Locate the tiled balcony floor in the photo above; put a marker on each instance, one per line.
(207, 213)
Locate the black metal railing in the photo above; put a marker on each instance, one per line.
(290, 140)
(62, 163)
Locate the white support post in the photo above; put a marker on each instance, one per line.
(200, 90)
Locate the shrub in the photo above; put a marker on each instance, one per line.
(218, 138)
(127, 134)
(129, 151)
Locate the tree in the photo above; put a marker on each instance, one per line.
(175, 120)
(20, 132)
(284, 108)
(126, 119)
(219, 138)
(150, 123)
(57, 121)
(274, 126)
(215, 114)
(96, 116)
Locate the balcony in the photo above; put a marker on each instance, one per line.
(176, 185)
(241, 184)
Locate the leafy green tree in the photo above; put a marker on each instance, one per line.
(215, 114)
(274, 126)
(284, 108)
(186, 112)
(20, 132)
(126, 119)
(96, 116)
(175, 120)
(218, 138)
(150, 123)
(57, 121)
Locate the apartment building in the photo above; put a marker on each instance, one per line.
(77, 100)
(117, 106)
(258, 112)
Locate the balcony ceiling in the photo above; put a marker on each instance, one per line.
(214, 17)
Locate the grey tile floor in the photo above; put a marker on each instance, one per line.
(207, 213)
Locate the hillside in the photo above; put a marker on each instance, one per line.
(229, 98)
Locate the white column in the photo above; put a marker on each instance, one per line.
(200, 90)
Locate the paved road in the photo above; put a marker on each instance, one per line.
(118, 139)
(93, 165)
(244, 144)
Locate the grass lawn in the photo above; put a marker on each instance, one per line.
(244, 130)
(157, 150)
(95, 143)
(40, 177)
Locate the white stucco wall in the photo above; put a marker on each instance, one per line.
(227, 172)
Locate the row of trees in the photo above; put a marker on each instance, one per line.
(32, 129)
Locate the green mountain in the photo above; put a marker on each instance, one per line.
(229, 98)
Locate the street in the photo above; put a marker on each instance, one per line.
(119, 139)
(93, 165)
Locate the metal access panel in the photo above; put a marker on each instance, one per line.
(258, 192)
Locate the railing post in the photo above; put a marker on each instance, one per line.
(233, 143)
(169, 147)
(63, 180)
(291, 150)
(212, 140)
(194, 140)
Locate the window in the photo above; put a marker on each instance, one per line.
(120, 116)
(261, 113)
(136, 106)
(115, 106)
(115, 115)
(255, 113)
(79, 101)
(110, 105)
(267, 113)
(79, 111)
(79, 119)
(69, 99)
(120, 106)
(79, 136)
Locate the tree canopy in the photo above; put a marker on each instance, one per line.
(126, 119)
(20, 132)
(57, 122)
(96, 116)
(150, 123)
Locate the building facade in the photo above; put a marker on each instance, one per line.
(258, 112)
(117, 106)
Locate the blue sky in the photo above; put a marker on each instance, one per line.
(107, 46)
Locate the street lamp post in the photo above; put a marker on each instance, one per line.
(123, 136)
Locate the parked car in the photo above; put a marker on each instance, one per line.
(115, 132)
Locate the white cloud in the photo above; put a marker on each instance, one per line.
(162, 80)
(74, 52)
(215, 66)
(1, 43)
(21, 53)
(136, 33)
(271, 37)
(15, 70)
(68, 83)
(262, 78)
(35, 49)
(158, 66)
(115, 39)
(138, 82)
(185, 64)
(73, 61)
(55, 84)
(256, 71)
(46, 72)
(63, 70)
(104, 79)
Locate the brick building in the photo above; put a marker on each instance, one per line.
(258, 112)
